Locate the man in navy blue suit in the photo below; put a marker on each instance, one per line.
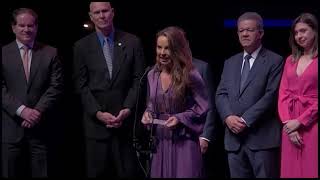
(246, 101)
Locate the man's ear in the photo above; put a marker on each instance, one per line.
(13, 29)
(90, 15)
(261, 33)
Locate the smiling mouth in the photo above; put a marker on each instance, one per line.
(163, 57)
(164, 60)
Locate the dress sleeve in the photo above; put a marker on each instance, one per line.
(192, 114)
(310, 115)
(284, 95)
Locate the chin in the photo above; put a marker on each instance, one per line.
(246, 44)
(303, 45)
(103, 26)
(26, 41)
(163, 64)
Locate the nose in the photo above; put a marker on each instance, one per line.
(26, 29)
(299, 35)
(245, 33)
(101, 14)
(162, 52)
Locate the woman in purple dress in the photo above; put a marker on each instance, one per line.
(176, 104)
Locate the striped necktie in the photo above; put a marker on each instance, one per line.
(107, 54)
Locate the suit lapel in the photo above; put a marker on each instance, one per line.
(35, 62)
(257, 65)
(16, 59)
(96, 52)
(118, 54)
(237, 73)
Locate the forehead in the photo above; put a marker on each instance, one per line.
(95, 6)
(162, 40)
(25, 18)
(301, 25)
(248, 23)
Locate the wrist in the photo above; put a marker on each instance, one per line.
(228, 117)
(128, 110)
(98, 114)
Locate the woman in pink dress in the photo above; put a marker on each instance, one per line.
(298, 101)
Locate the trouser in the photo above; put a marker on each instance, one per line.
(247, 163)
(26, 157)
(111, 157)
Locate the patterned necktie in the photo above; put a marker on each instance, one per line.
(107, 54)
(245, 71)
(25, 61)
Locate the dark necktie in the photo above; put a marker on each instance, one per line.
(245, 71)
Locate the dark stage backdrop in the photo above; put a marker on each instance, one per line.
(61, 25)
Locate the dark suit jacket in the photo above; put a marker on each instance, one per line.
(204, 69)
(256, 103)
(42, 91)
(100, 93)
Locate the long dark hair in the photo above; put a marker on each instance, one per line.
(311, 21)
(181, 57)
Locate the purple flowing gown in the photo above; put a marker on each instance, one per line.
(178, 152)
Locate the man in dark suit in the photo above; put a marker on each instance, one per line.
(246, 101)
(31, 86)
(107, 67)
(209, 130)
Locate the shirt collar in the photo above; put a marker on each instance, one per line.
(254, 54)
(101, 37)
(20, 44)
